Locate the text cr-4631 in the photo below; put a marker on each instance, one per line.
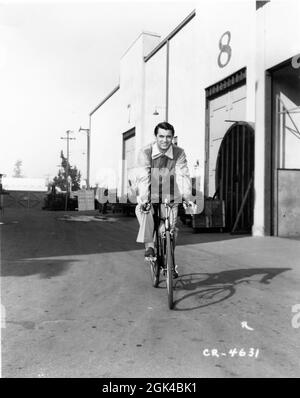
(232, 352)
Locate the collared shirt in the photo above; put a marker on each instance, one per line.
(156, 152)
(162, 174)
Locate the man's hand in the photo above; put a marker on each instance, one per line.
(146, 206)
(190, 207)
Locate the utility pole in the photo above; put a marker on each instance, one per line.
(68, 138)
(2, 192)
(88, 156)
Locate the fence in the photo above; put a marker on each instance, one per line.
(23, 199)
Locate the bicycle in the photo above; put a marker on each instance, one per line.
(164, 262)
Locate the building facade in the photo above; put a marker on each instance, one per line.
(228, 79)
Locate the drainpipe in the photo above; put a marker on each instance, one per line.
(167, 79)
(88, 153)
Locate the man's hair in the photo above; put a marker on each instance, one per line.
(164, 126)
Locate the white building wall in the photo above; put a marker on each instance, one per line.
(106, 145)
(214, 19)
(186, 105)
(155, 94)
(121, 112)
(281, 19)
(132, 84)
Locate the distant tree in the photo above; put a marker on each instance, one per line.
(74, 173)
(17, 169)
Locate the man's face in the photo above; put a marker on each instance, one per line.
(164, 139)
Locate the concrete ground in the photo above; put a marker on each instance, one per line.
(77, 301)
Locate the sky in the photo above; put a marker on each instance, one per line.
(58, 60)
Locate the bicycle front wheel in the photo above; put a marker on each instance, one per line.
(156, 264)
(155, 269)
(170, 264)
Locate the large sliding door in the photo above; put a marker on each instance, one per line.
(234, 176)
(223, 112)
(230, 151)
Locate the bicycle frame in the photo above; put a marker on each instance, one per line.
(165, 251)
(158, 218)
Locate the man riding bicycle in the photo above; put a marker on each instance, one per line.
(163, 174)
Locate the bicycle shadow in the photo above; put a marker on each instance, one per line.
(210, 289)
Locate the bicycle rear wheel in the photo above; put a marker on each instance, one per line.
(170, 264)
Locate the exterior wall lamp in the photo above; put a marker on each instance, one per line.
(156, 113)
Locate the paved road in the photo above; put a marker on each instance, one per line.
(79, 302)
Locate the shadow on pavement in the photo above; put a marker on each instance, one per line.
(47, 268)
(41, 234)
(208, 289)
(187, 237)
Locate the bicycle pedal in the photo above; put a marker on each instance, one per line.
(175, 272)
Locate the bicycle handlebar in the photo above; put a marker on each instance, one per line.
(147, 205)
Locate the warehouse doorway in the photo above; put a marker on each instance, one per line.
(229, 160)
(234, 177)
(226, 104)
(283, 133)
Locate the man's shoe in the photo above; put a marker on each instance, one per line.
(149, 253)
(175, 272)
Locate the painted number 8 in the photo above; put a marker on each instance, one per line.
(225, 48)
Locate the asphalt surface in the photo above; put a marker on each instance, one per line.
(77, 301)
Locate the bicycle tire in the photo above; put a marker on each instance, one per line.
(170, 264)
(155, 270)
(156, 265)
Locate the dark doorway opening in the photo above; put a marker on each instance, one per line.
(234, 177)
